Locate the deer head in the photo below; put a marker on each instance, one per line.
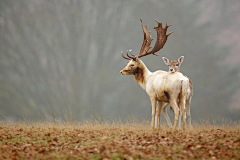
(132, 67)
(134, 62)
(174, 66)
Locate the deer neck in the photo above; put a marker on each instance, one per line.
(142, 74)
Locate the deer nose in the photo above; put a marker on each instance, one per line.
(120, 72)
(171, 69)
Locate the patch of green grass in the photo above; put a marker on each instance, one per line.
(96, 156)
(118, 156)
(137, 157)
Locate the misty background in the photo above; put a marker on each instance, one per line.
(62, 58)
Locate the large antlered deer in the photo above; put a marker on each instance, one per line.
(174, 66)
(161, 86)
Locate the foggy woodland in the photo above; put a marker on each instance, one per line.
(61, 58)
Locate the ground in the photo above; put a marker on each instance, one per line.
(95, 140)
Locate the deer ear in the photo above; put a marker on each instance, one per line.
(180, 59)
(165, 60)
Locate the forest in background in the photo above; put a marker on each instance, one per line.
(62, 57)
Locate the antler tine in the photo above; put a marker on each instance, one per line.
(170, 33)
(155, 54)
(130, 56)
(125, 57)
(159, 24)
(166, 27)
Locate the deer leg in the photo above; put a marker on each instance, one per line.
(182, 102)
(153, 102)
(176, 110)
(164, 106)
(159, 104)
(157, 108)
(180, 118)
(188, 103)
(156, 115)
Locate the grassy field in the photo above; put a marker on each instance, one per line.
(94, 140)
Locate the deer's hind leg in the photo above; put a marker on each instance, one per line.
(176, 110)
(159, 108)
(164, 107)
(182, 102)
(180, 118)
(188, 104)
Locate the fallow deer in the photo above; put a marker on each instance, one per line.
(161, 86)
(174, 66)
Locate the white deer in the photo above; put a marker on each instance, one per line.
(161, 86)
(174, 66)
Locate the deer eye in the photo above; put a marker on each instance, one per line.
(176, 64)
(132, 65)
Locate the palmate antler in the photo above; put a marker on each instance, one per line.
(160, 42)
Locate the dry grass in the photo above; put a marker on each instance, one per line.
(116, 140)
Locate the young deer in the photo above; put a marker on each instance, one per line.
(174, 66)
(161, 86)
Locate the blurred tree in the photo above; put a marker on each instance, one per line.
(62, 58)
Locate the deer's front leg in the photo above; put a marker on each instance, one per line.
(153, 102)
